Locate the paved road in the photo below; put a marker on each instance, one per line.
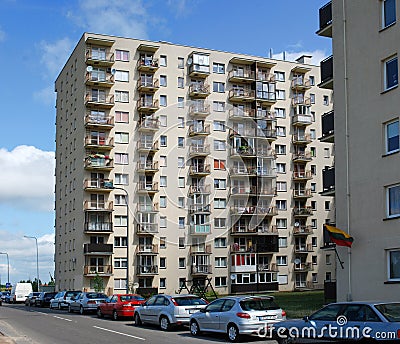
(44, 326)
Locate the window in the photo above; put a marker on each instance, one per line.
(314, 241)
(281, 260)
(120, 242)
(313, 187)
(121, 179)
(121, 117)
(220, 281)
(281, 204)
(220, 184)
(181, 122)
(393, 201)
(181, 222)
(163, 242)
(163, 161)
(181, 182)
(281, 223)
(326, 100)
(390, 73)
(163, 283)
(120, 263)
(312, 80)
(120, 199)
(279, 76)
(121, 158)
(393, 265)
(314, 205)
(219, 222)
(392, 137)
(121, 75)
(163, 61)
(280, 113)
(122, 96)
(219, 242)
(163, 121)
(326, 153)
(313, 169)
(219, 145)
(219, 125)
(314, 278)
(120, 220)
(181, 162)
(163, 100)
(281, 167)
(163, 141)
(121, 137)
(219, 164)
(181, 142)
(328, 259)
(282, 279)
(219, 203)
(280, 149)
(181, 102)
(182, 263)
(280, 94)
(163, 80)
(314, 260)
(163, 201)
(327, 205)
(163, 262)
(280, 131)
(122, 55)
(312, 98)
(219, 106)
(218, 68)
(181, 82)
(181, 62)
(281, 186)
(314, 223)
(388, 12)
(218, 87)
(181, 202)
(181, 242)
(119, 283)
(220, 262)
(163, 222)
(312, 134)
(282, 242)
(163, 181)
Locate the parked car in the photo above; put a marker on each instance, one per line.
(43, 300)
(20, 291)
(122, 305)
(62, 299)
(31, 298)
(5, 296)
(1, 299)
(237, 315)
(168, 310)
(346, 321)
(86, 302)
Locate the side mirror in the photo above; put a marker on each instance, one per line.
(306, 318)
(203, 310)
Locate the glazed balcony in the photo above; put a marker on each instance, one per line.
(98, 121)
(200, 229)
(147, 106)
(199, 209)
(105, 185)
(201, 111)
(201, 269)
(99, 79)
(101, 59)
(306, 193)
(147, 188)
(99, 143)
(98, 206)
(146, 208)
(94, 270)
(326, 67)
(253, 210)
(197, 90)
(146, 270)
(241, 114)
(145, 228)
(147, 84)
(301, 120)
(300, 99)
(102, 101)
(300, 83)
(199, 130)
(302, 212)
(328, 127)
(265, 97)
(147, 147)
(200, 249)
(147, 65)
(101, 249)
(197, 70)
(328, 181)
(301, 139)
(302, 157)
(302, 230)
(302, 175)
(147, 167)
(146, 249)
(149, 125)
(98, 227)
(197, 150)
(247, 229)
(303, 267)
(241, 95)
(325, 20)
(200, 189)
(241, 75)
(99, 162)
(199, 170)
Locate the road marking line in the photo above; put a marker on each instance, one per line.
(41, 313)
(122, 334)
(55, 316)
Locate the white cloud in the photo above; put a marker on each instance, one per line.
(317, 55)
(54, 55)
(46, 95)
(179, 6)
(29, 173)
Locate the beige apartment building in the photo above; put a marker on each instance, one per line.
(178, 165)
(364, 126)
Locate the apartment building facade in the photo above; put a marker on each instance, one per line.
(364, 126)
(182, 165)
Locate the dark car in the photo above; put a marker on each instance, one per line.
(31, 299)
(5, 296)
(43, 300)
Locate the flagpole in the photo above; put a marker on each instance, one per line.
(340, 262)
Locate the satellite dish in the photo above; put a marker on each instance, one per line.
(189, 61)
(136, 285)
(113, 71)
(296, 224)
(89, 69)
(297, 261)
(233, 277)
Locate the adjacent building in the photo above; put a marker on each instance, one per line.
(364, 126)
(178, 165)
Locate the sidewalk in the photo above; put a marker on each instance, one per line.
(5, 340)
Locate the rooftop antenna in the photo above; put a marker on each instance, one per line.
(284, 55)
(270, 53)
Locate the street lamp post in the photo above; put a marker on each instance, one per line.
(8, 267)
(37, 259)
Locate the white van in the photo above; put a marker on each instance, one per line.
(20, 291)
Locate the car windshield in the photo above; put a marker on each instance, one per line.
(189, 301)
(258, 304)
(391, 311)
(131, 298)
(71, 293)
(96, 296)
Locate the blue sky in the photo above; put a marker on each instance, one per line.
(36, 37)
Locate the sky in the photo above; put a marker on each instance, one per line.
(36, 38)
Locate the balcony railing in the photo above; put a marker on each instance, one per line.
(254, 210)
(198, 90)
(243, 171)
(200, 229)
(101, 59)
(146, 249)
(252, 190)
(236, 229)
(147, 269)
(103, 206)
(201, 269)
(265, 76)
(105, 80)
(149, 124)
(305, 211)
(267, 267)
(305, 193)
(147, 84)
(199, 150)
(265, 96)
(147, 228)
(199, 110)
(300, 83)
(200, 249)
(302, 230)
(146, 146)
(242, 113)
(199, 189)
(325, 20)
(300, 99)
(199, 129)
(303, 267)
(301, 120)
(241, 94)
(98, 227)
(105, 101)
(147, 187)
(98, 184)
(147, 208)
(99, 121)
(302, 175)
(328, 181)
(328, 127)
(97, 269)
(302, 156)
(98, 248)
(200, 169)
(147, 105)
(241, 75)
(236, 248)
(326, 73)
(99, 143)
(199, 208)
(147, 166)
(147, 64)
(99, 163)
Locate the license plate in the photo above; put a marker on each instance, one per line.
(267, 317)
(191, 311)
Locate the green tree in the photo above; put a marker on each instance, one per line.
(98, 284)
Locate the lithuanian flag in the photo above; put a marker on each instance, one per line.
(338, 236)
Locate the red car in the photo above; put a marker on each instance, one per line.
(120, 305)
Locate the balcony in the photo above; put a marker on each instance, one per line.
(99, 79)
(148, 125)
(267, 267)
(325, 20)
(241, 95)
(241, 75)
(147, 270)
(243, 171)
(199, 170)
(102, 101)
(147, 84)
(199, 130)
(302, 230)
(200, 249)
(300, 83)
(200, 269)
(99, 185)
(328, 181)
(147, 65)
(265, 97)
(302, 157)
(253, 210)
(265, 76)
(94, 270)
(147, 188)
(196, 150)
(97, 58)
(200, 209)
(146, 249)
(301, 120)
(99, 143)
(200, 189)
(302, 212)
(99, 162)
(147, 208)
(300, 99)
(147, 147)
(237, 113)
(326, 73)
(252, 152)
(243, 230)
(301, 139)
(146, 228)
(98, 227)
(252, 191)
(99, 121)
(147, 167)
(328, 127)
(197, 70)
(200, 229)
(101, 249)
(147, 106)
(98, 206)
(306, 193)
(302, 175)
(303, 267)
(265, 115)
(198, 90)
(196, 110)
(236, 248)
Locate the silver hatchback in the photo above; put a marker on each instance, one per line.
(237, 315)
(168, 310)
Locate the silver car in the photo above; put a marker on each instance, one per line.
(237, 315)
(168, 310)
(62, 299)
(86, 302)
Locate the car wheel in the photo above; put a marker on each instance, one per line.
(194, 328)
(99, 313)
(137, 319)
(59, 306)
(233, 333)
(164, 323)
(81, 310)
(115, 315)
(70, 309)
